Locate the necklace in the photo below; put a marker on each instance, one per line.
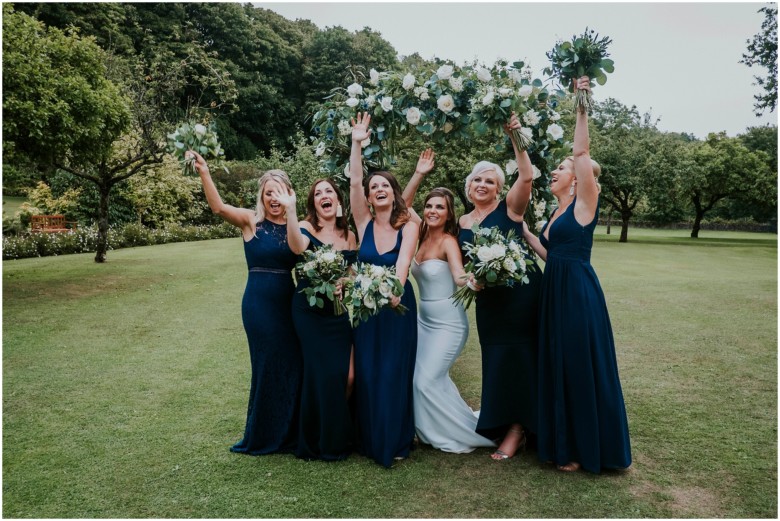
(480, 215)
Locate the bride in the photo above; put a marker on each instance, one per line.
(441, 417)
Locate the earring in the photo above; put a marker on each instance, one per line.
(393, 204)
(339, 211)
(571, 190)
(370, 207)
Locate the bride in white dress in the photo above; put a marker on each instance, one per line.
(441, 417)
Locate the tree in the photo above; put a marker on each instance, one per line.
(723, 167)
(61, 110)
(623, 143)
(762, 51)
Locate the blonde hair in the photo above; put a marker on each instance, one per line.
(271, 175)
(484, 166)
(596, 170)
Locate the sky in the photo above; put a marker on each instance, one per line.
(678, 61)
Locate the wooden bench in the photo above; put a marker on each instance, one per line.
(50, 224)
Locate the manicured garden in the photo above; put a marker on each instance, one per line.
(125, 383)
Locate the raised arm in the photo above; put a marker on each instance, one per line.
(520, 194)
(241, 217)
(587, 189)
(357, 198)
(297, 241)
(424, 165)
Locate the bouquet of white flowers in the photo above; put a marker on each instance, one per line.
(323, 268)
(194, 136)
(494, 260)
(372, 289)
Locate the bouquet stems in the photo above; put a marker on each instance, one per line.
(521, 140)
(584, 101)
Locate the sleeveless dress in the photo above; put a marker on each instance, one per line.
(325, 426)
(274, 352)
(582, 416)
(507, 323)
(385, 350)
(441, 417)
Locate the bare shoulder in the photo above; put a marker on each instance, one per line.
(466, 220)
(306, 225)
(351, 240)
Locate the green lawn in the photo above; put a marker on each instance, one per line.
(124, 385)
(11, 205)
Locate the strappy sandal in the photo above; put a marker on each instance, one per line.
(500, 455)
(572, 466)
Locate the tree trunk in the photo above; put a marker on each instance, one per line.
(624, 229)
(609, 221)
(102, 240)
(697, 224)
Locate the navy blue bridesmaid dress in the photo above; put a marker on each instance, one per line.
(582, 416)
(274, 351)
(385, 352)
(325, 429)
(507, 323)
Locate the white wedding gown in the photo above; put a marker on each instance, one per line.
(441, 417)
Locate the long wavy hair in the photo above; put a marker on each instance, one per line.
(271, 175)
(400, 214)
(311, 210)
(451, 224)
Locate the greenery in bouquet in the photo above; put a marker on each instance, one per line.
(198, 137)
(494, 260)
(371, 290)
(323, 268)
(494, 100)
(584, 55)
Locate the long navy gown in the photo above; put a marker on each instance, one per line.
(385, 351)
(325, 429)
(582, 416)
(507, 323)
(274, 351)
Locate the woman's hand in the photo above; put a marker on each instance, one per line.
(360, 130)
(425, 164)
(581, 83)
(512, 124)
(473, 284)
(394, 301)
(200, 164)
(285, 199)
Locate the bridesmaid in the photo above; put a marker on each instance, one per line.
(506, 317)
(325, 430)
(441, 417)
(274, 352)
(582, 416)
(386, 344)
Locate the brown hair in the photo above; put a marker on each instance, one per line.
(311, 211)
(400, 214)
(451, 224)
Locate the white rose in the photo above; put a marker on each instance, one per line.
(554, 116)
(505, 92)
(344, 128)
(542, 204)
(499, 250)
(365, 142)
(485, 254)
(531, 118)
(309, 266)
(511, 166)
(320, 149)
(515, 75)
(444, 72)
(387, 103)
(354, 90)
(328, 256)
(448, 127)
(509, 265)
(373, 76)
(408, 82)
(456, 84)
(525, 91)
(371, 101)
(540, 225)
(385, 290)
(536, 171)
(445, 103)
(488, 99)
(377, 271)
(200, 130)
(413, 115)
(352, 102)
(484, 75)
(555, 131)
(369, 302)
(514, 247)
